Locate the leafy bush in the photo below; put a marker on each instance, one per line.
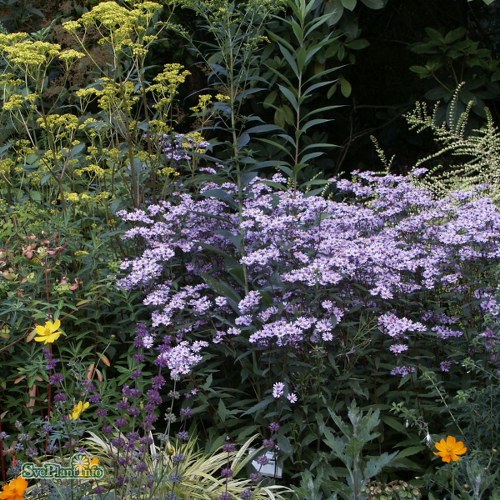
(396, 283)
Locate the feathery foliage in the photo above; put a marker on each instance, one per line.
(472, 155)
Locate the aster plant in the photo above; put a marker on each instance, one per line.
(286, 282)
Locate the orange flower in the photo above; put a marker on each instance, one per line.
(450, 449)
(14, 490)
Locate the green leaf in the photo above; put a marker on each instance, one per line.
(374, 4)
(393, 423)
(291, 60)
(36, 196)
(412, 450)
(321, 110)
(345, 87)
(421, 71)
(375, 464)
(285, 445)
(316, 86)
(349, 4)
(292, 99)
(358, 44)
(284, 116)
(314, 122)
(314, 25)
(270, 99)
(455, 35)
(243, 140)
(222, 411)
(221, 287)
(260, 129)
(261, 405)
(310, 156)
(334, 10)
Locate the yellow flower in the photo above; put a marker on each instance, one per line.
(78, 409)
(49, 332)
(450, 449)
(14, 490)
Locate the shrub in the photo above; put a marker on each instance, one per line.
(293, 288)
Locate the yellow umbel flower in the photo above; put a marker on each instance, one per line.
(450, 449)
(49, 332)
(78, 409)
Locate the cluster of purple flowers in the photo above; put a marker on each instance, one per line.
(309, 263)
(178, 147)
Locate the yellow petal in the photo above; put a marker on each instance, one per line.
(53, 337)
(57, 324)
(86, 405)
(40, 330)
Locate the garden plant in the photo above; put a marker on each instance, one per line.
(193, 305)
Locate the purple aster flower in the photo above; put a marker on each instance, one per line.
(403, 371)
